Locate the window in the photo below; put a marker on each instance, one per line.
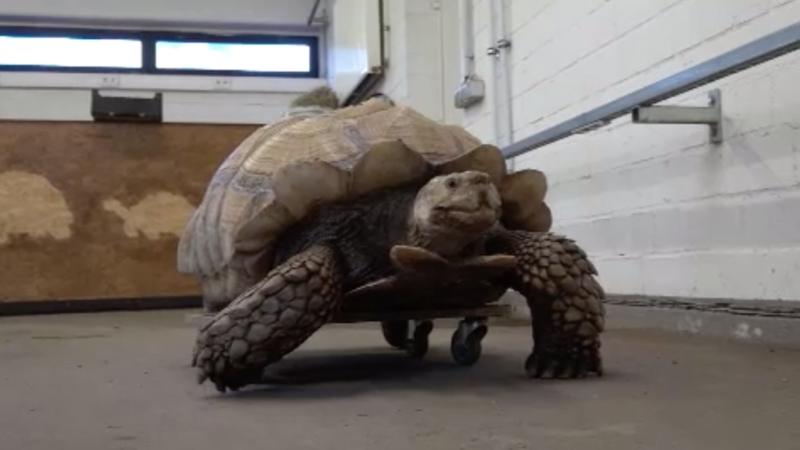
(69, 52)
(61, 50)
(233, 57)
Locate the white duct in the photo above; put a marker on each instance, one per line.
(467, 29)
(494, 74)
(501, 78)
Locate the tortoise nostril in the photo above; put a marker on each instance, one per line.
(483, 197)
(480, 178)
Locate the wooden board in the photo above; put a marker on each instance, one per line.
(200, 319)
(95, 211)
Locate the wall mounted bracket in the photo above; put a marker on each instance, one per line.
(710, 115)
(502, 44)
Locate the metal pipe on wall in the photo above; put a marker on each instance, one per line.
(467, 31)
(501, 78)
(494, 72)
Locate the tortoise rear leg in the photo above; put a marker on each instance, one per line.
(269, 320)
(566, 303)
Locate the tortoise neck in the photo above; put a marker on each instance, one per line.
(445, 242)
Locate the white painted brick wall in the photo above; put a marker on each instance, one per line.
(661, 211)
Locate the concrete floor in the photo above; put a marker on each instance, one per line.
(122, 381)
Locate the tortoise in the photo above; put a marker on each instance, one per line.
(376, 207)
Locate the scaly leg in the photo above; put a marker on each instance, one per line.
(566, 303)
(269, 320)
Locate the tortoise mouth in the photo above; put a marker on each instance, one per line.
(480, 205)
(461, 209)
(473, 218)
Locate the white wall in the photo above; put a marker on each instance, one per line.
(422, 51)
(186, 99)
(353, 39)
(661, 211)
(395, 85)
(190, 99)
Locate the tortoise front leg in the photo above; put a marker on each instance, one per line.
(269, 320)
(566, 303)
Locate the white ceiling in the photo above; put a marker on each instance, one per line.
(230, 14)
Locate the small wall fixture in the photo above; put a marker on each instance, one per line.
(502, 44)
(126, 109)
(710, 115)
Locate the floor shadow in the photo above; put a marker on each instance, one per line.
(313, 375)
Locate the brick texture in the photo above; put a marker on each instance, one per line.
(661, 210)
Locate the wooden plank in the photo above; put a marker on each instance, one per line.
(200, 319)
(378, 316)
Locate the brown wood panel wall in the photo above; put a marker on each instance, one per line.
(95, 211)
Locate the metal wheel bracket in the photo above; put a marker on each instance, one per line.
(710, 115)
(465, 344)
(417, 340)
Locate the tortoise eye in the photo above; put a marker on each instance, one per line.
(451, 183)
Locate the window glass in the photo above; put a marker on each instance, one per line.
(70, 52)
(233, 56)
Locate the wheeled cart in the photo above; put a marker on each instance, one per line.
(409, 330)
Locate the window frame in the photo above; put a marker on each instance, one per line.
(149, 39)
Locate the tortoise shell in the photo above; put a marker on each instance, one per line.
(284, 170)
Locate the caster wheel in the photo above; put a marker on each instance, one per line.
(530, 365)
(417, 345)
(395, 332)
(465, 346)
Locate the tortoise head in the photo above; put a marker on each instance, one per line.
(460, 204)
